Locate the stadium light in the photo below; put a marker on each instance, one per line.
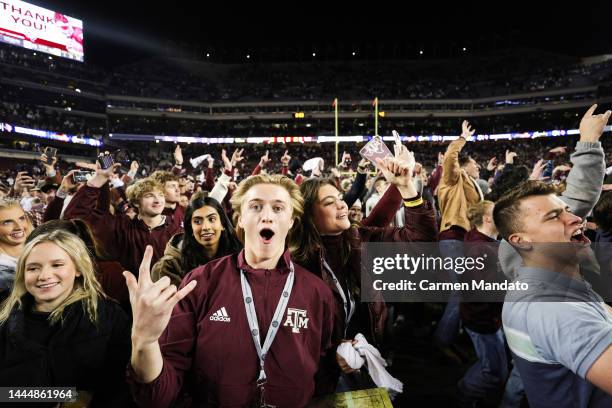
(354, 53)
(248, 56)
(464, 49)
(421, 52)
(314, 54)
(298, 115)
(207, 55)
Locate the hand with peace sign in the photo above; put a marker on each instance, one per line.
(152, 304)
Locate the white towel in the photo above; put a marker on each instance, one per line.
(353, 354)
(198, 160)
(350, 355)
(376, 365)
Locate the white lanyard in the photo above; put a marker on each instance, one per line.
(251, 314)
(349, 306)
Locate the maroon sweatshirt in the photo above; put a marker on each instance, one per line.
(481, 317)
(123, 239)
(220, 357)
(177, 215)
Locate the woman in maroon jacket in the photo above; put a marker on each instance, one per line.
(257, 329)
(327, 244)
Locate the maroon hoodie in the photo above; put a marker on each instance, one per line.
(177, 215)
(481, 317)
(123, 239)
(219, 356)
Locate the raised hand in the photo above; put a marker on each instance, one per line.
(48, 167)
(226, 162)
(211, 162)
(68, 181)
(286, 158)
(178, 155)
(592, 126)
(538, 169)
(363, 165)
(84, 165)
(562, 167)
(492, 164)
(23, 181)
(108, 173)
(395, 171)
(103, 175)
(510, 157)
(152, 302)
(265, 159)
(559, 150)
(237, 156)
(466, 130)
(402, 153)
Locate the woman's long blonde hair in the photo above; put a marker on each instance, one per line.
(86, 288)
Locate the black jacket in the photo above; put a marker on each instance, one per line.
(92, 358)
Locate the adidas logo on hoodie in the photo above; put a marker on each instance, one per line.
(220, 316)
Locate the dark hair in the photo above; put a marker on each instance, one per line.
(510, 177)
(77, 227)
(464, 159)
(602, 213)
(191, 251)
(507, 213)
(305, 240)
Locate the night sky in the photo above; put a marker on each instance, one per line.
(120, 32)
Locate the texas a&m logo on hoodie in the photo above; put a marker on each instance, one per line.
(296, 319)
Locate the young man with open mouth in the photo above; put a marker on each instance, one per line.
(249, 329)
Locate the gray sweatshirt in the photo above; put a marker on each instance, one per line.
(581, 194)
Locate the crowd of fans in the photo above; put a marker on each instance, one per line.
(494, 124)
(232, 275)
(170, 262)
(42, 92)
(352, 80)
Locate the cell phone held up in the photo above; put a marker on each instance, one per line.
(50, 153)
(80, 176)
(105, 161)
(548, 169)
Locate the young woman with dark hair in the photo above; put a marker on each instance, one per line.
(209, 235)
(327, 244)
